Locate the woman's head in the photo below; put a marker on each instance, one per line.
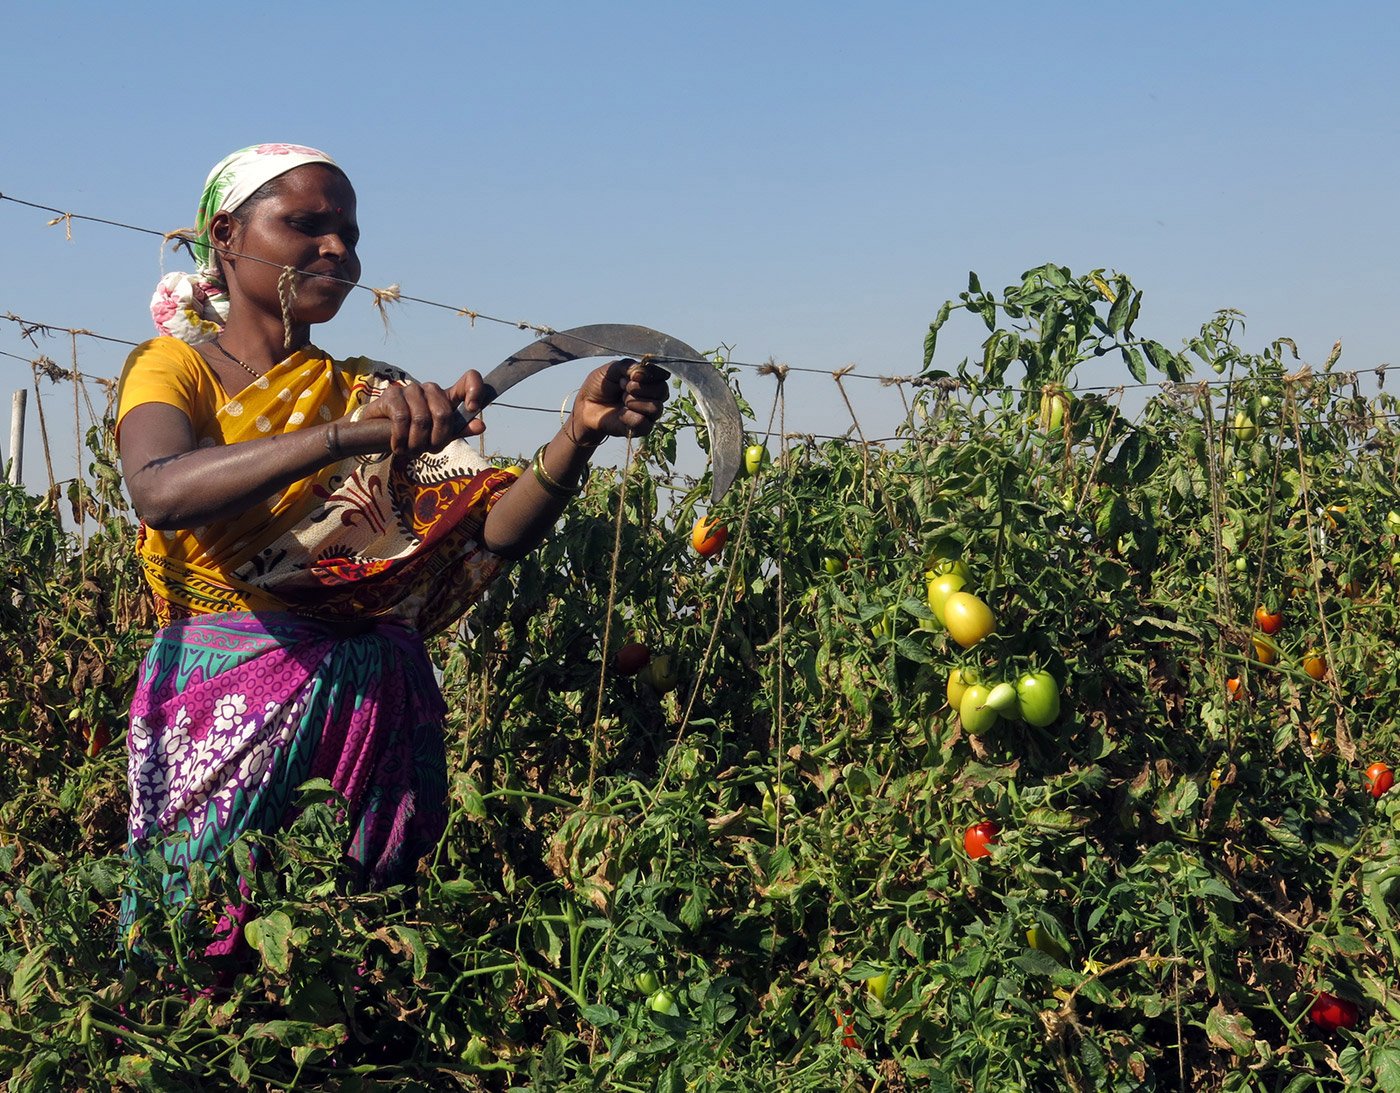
(195, 307)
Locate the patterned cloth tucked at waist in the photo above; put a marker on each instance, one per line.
(367, 536)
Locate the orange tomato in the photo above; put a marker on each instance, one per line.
(1271, 622)
(1234, 686)
(1314, 665)
(708, 536)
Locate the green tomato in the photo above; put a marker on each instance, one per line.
(833, 565)
(1038, 696)
(1002, 697)
(1037, 937)
(1054, 405)
(659, 675)
(1218, 366)
(647, 983)
(664, 1002)
(755, 458)
(878, 985)
(1245, 429)
(976, 716)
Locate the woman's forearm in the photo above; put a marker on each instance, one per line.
(205, 485)
(525, 513)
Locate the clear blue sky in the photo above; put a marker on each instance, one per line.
(806, 182)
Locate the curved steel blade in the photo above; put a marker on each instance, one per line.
(712, 390)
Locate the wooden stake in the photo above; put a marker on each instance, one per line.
(17, 403)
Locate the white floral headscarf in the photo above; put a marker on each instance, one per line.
(193, 307)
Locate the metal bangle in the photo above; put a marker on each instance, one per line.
(546, 480)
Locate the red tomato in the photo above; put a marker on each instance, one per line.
(1379, 778)
(1271, 622)
(978, 838)
(631, 658)
(96, 738)
(847, 1030)
(708, 536)
(1330, 1013)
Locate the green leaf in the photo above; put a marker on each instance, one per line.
(298, 1033)
(931, 339)
(1132, 357)
(1231, 1031)
(413, 941)
(1215, 889)
(270, 935)
(1118, 313)
(600, 1015)
(912, 650)
(1035, 962)
(1385, 1066)
(28, 975)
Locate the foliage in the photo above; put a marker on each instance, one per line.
(1178, 871)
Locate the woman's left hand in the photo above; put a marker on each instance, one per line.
(623, 398)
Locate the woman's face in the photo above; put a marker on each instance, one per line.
(308, 223)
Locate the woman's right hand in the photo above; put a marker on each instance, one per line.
(420, 417)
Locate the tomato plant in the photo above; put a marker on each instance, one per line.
(764, 841)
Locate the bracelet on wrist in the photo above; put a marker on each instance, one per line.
(333, 441)
(547, 481)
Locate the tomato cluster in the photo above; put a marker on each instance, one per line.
(1034, 697)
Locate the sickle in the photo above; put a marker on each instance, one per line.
(712, 390)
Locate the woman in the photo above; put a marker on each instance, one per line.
(296, 564)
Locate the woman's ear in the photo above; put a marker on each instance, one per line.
(222, 230)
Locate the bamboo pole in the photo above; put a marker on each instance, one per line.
(17, 403)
